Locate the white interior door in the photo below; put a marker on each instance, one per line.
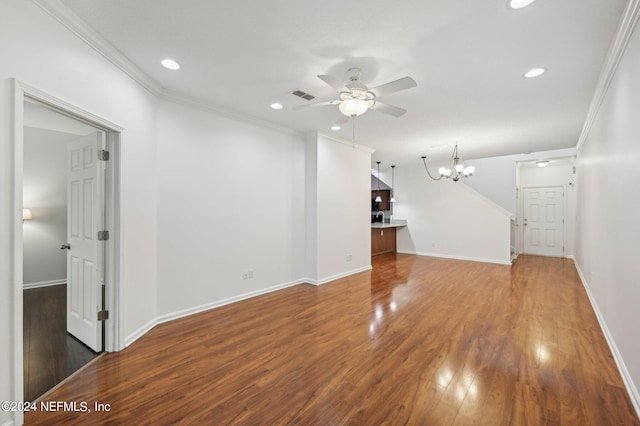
(85, 208)
(543, 221)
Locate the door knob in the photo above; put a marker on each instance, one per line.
(65, 247)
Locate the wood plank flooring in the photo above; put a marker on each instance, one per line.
(417, 340)
(50, 353)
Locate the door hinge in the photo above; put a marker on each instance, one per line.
(103, 235)
(103, 315)
(103, 155)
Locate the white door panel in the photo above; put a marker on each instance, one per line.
(85, 201)
(543, 220)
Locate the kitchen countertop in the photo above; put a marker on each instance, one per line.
(396, 223)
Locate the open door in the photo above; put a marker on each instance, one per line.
(85, 250)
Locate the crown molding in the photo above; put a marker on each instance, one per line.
(82, 30)
(71, 21)
(87, 34)
(626, 27)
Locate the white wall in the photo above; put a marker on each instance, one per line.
(448, 219)
(342, 209)
(311, 209)
(39, 52)
(608, 230)
(495, 178)
(45, 193)
(230, 199)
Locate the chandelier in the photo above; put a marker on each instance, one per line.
(457, 170)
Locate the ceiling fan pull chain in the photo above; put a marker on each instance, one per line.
(353, 131)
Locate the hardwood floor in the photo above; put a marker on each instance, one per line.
(417, 340)
(50, 353)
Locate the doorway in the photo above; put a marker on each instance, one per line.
(60, 333)
(76, 153)
(543, 221)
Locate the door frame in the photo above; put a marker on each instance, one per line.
(564, 214)
(113, 333)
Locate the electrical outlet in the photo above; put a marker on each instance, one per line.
(250, 274)
(433, 243)
(245, 275)
(349, 258)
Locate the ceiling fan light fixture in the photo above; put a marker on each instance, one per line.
(354, 107)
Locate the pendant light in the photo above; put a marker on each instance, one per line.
(378, 198)
(393, 197)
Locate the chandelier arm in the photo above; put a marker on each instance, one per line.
(424, 160)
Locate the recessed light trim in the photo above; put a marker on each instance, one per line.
(335, 128)
(276, 105)
(170, 64)
(519, 4)
(542, 163)
(535, 72)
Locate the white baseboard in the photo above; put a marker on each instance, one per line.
(44, 284)
(632, 390)
(447, 256)
(338, 276)
(207, 306)
(140, 332)
(216, 304)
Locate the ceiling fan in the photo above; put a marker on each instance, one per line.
(354, 98)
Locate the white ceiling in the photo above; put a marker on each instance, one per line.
(467, 56)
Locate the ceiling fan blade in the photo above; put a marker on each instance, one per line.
(333, 82)
(394, 86)
(317, 104)
(388, 109)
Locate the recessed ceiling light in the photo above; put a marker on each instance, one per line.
(170, 64)
(519, 4)
(276, 105)
(543, 163)
(335, 128)
(535, 72)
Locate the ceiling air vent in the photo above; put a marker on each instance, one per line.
(303, 95)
